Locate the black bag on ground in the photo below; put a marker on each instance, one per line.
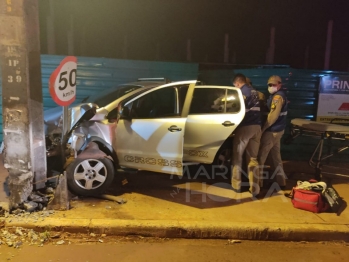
(333, 199)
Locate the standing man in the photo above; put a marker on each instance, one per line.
(247, 137)
(273, 130)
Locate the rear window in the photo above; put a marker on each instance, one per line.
(214, 101)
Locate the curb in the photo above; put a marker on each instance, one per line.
(192, 229)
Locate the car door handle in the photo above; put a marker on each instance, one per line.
(174, 128)
(228, 123)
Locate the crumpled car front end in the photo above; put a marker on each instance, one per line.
(53, 120)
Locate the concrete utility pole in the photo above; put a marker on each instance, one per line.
(233, 58)
(226, 48)
(271, 49)
(328, 45)
(50, 25)
(125, 48)
(306, 57)
(188, 50)
(83, 42)
(157, 55)
(24, 140)
(70, 36)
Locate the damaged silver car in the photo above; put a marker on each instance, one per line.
(160, 127)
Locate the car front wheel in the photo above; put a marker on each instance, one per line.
(90, 177)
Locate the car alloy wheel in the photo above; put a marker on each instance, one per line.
(90, 177)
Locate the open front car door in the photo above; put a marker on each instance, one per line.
(151, 135)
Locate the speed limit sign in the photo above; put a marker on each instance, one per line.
(62, 82)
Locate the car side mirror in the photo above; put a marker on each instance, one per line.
(125, 113)
(112, 115)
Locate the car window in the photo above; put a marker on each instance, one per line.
(214, 100)
(156, 104)
(106, 97)
(233, 102)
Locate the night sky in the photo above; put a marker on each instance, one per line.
(169, 23)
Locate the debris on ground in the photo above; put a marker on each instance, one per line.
(20, 215)
(37, 201)
(56, 235)
(60, 242)
(118, 200)
(230, 241)
(16, 237)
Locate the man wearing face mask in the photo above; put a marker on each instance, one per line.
(247, 137)
(273, 130)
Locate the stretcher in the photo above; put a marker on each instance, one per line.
(324, 132)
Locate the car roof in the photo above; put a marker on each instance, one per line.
(106, 96)
(147, 88)
(143, 83)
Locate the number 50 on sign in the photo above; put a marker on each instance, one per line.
(62, 82)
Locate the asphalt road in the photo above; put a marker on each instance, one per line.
(135, 248)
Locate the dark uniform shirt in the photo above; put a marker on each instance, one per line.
(252, 106)
(273, 103)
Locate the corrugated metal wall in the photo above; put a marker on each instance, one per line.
(95, 74)
(302, 92)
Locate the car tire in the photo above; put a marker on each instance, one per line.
(90, 177)
(223, 157)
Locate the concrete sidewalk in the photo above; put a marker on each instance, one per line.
(195, 206)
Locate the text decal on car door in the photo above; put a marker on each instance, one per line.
(153, 161)
(196, 153)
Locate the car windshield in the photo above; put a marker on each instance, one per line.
(107, 96)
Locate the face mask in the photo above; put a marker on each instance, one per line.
(272, 89)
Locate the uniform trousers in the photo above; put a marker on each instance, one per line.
(246, 138)
(270, 145)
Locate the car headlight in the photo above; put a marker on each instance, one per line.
(77, 142)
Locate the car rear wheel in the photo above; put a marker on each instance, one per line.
(223, 158)
(224, 155)
(90, 177)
